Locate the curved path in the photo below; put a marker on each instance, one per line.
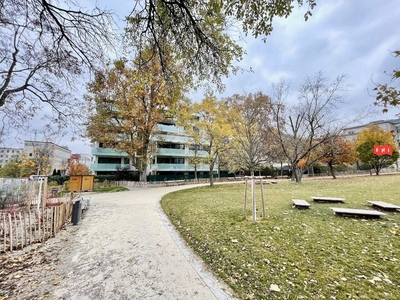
(125, 248)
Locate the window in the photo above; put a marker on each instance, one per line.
(30, 154)
(170, 160)
(126, 161)
(109, 160)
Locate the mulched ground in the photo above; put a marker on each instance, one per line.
(31, 273)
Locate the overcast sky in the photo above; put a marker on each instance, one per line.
(352, 37)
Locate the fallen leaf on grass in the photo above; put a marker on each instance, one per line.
(274, 288)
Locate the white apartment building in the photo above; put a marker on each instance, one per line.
(171, 157)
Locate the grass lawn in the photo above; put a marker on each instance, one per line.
(307, 254)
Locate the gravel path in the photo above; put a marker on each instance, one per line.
(125, 248)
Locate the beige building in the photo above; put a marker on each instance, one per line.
(7, 154)
(60, 154)
(392, 125)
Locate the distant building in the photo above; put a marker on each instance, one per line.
(60, 154)
(392, 125)
(8, 154)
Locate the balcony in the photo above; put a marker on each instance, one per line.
(178, 167)
(170, 129)
(179, 152)
(108, 152)
(109, 167)
(172, 138)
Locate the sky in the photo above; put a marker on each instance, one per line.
(352, 38)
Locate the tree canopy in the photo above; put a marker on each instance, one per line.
(388, 94)
(250, 118)
(302, 127)
(205, 122)
(204, 33)
(45, 46)
(127, 100)
(375, 135)
(337, 152)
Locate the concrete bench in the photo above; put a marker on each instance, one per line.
(351, 212)
(385, 205)
(300, 203)
(327, 199)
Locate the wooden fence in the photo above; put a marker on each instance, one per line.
(21, 228)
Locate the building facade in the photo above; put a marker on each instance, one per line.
(59, 156)
(8, 154)
(171, 157)
(392, 125)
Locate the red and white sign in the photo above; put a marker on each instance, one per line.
(383, 150)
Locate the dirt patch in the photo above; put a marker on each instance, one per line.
(32, 273)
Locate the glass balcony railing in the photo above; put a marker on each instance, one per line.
(170, 129)
(172, 138)
(179, 152)
(178, 167)
(108, 152)
(109, 167)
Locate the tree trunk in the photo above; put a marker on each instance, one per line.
(212, 175)
(377, 169)
(195, 173)
(330, 165)
(298, 174)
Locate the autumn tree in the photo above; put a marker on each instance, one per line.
(250, 118)
(203, 33)
(44, 47)
(205, 122)
(75, 167)
(313, 120)
(127, 100)
(388, 94)
(365, 141)
(337, 152)
(12, 169)
(41, 160)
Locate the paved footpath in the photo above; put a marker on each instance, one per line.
(125, 248)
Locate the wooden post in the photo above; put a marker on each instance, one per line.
(245, 199)
(262, 198)
(43, 224)
(16, 230)
(51, 221)
(10, 227)
(38, 223)
(4, 231)
(30, 227)
(253, 200)
(45, 192)
(22, 230)
(25, 231)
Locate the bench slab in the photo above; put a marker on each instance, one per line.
(327, 199)
(300, 203)
(357, 212)
(384, 205)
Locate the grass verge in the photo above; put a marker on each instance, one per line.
(291, 253)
